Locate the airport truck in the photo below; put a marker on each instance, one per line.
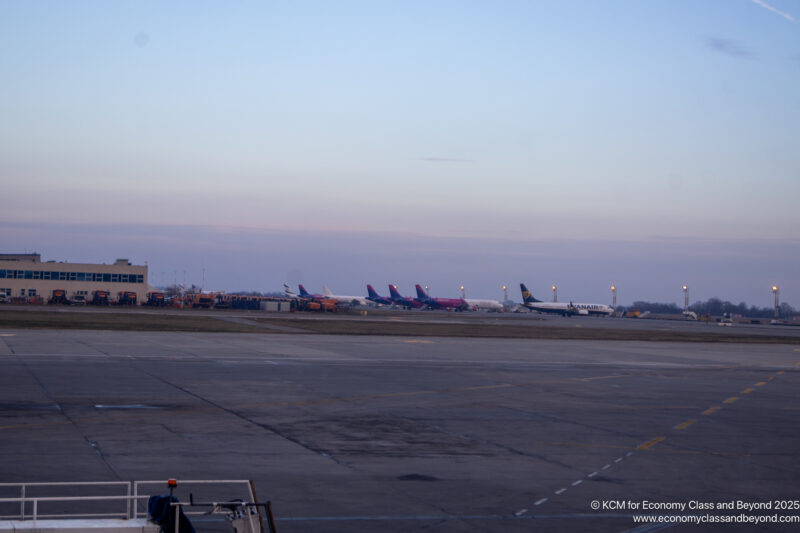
(99, 298)
(59, 296)
(155, 299)
(126, 298)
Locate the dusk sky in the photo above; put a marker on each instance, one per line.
(578, 143)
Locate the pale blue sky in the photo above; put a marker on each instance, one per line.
(504, 122)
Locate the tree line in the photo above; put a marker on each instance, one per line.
(716, 307)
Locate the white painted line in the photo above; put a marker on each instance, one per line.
(561, 491)
(593, 474)
(618, 459)
(628, 454)
(540, 502)
(521, 512)
(606, 467)
(576, 483)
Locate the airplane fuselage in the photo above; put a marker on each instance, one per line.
(485, 305)
(563, 308)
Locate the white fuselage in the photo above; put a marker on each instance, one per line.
(565, 308)
(483, 305)
(342, 299)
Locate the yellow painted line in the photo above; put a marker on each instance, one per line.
(417, 341)
(650, 443)
(747, 390)
(731, 399)
(770, 378)
(781, 372)
(607, 377)
(8, 334)
(761, 383)
(686, 424)
(712, 410)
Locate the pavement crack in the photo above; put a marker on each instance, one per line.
(249, 420)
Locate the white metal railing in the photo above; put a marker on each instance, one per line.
(132, 496)
(25, 497)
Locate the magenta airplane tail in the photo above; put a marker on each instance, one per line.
(371, 292)
(421, 294)
(393, 292)
(303, 291)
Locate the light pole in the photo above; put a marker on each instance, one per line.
(555, 294)
(463, 293)
(614, 296)
(776, 291)
(505, 295)
(685, 299)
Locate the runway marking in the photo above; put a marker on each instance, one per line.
(607, 377)
(618, 459)
(650, 443)
(781, 372)
(686, 424)
(521, 512)
(576, 483)
(561, 491)
(540, 502)
(770, 378)
(592, 474)
(761, 383)
(8, 334)
(731, 399)
(628, 454)
(748, 390)
(712, 410)
(606, 467)
(417, 341)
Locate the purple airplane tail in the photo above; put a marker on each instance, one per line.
(421, 294)
(371, 292)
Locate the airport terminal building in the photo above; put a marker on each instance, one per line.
(25, 278)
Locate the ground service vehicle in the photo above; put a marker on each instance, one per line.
(126, 298)
(59, 297)
(99, 298)
(155, 299)
(201, 300)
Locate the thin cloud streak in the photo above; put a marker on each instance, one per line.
(776, 11)
(727, 47)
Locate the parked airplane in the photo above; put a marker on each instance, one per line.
(408, 303)
(289, 293)
(487, 305)
(439, 303)
(353, 300)
(562, 308)
(305, 294)
(377, 298)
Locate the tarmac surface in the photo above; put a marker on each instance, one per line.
(363, 433)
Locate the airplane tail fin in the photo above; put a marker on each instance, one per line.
(393, 291)
(304, 292)
(371, 292)
(421, 294)
(288, 292)
(326, 291)
(527, 297)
